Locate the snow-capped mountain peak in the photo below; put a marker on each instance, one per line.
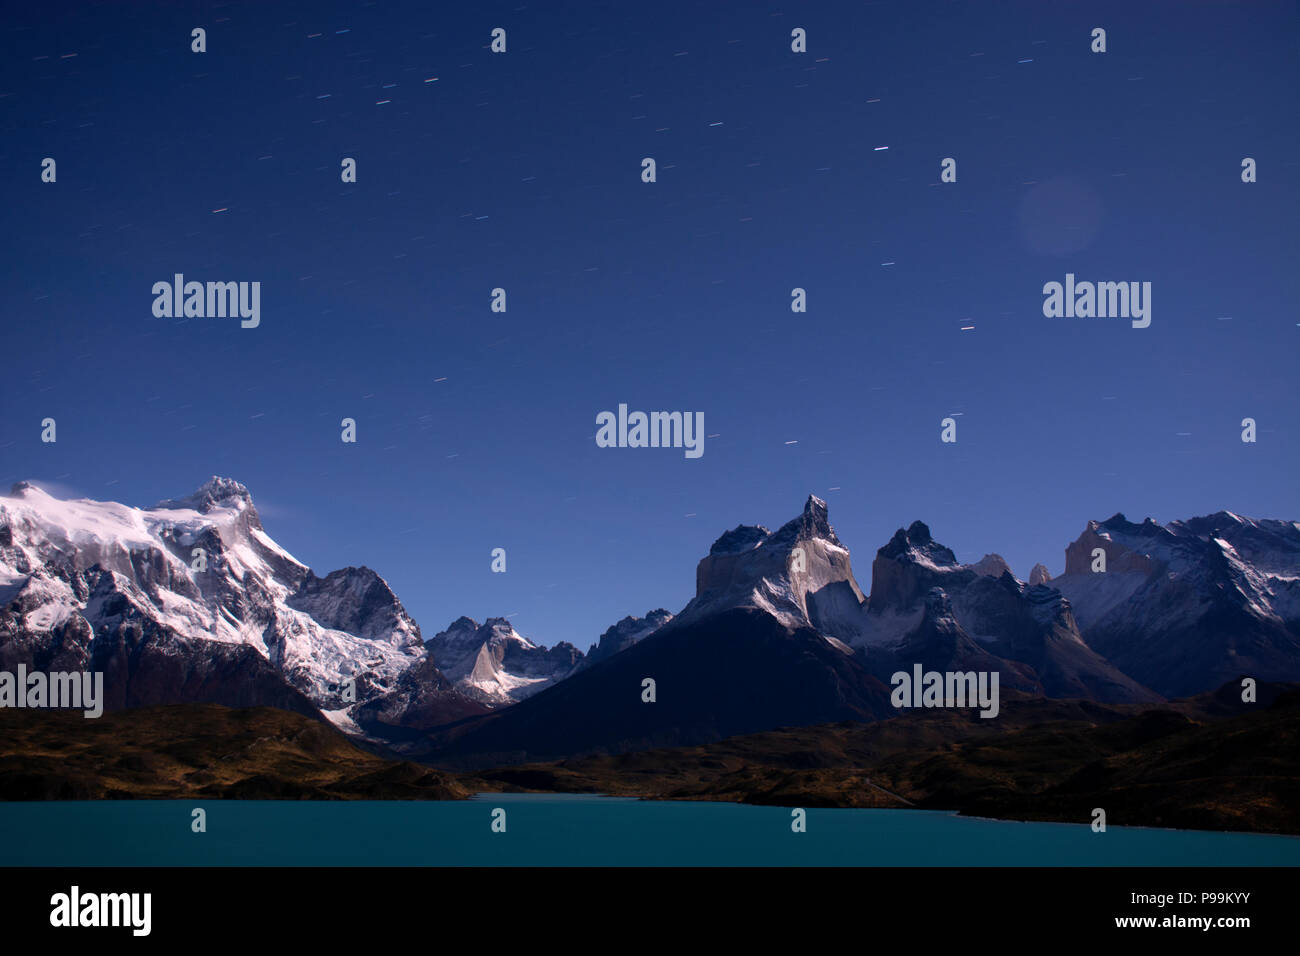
(915, 545)
(193, 572)
(1192, 603)
(800, 573)
(215, 492)
(495, 664)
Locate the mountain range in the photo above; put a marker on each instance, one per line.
(191, 601)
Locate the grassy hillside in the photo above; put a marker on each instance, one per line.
(193, 750)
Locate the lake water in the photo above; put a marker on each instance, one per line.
(551, 830)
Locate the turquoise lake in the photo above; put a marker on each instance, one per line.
(549, 830)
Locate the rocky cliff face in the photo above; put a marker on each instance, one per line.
(800, 573)
(912, 563)
(1028, 633)
(940, 643)
(1130, 550)
(496, 665)
(624, 634)
(1187, 606)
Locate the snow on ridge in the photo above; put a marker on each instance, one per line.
(146, 557)
(494, 663)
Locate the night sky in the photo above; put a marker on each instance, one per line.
(523, 171)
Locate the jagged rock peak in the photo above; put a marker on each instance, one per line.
(358, 577)
(632, 623)
(992, 565)
(917, 539)
(813, 522)
(1117, 522)
(1048, 605)
(743, 537)
(1039, 574)
(1220, 522)
(213, 492)
(625, 633)
(816, 518)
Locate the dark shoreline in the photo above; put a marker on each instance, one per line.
(1208, 763)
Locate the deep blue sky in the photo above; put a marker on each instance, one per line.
(523, 171)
